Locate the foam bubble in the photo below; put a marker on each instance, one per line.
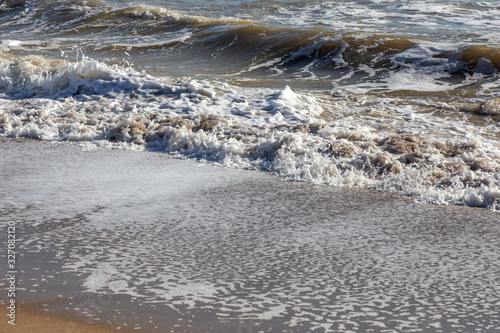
(391, 145)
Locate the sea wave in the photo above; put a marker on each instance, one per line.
(244, 49)
(322, 138)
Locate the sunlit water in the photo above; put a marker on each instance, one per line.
(394, 95)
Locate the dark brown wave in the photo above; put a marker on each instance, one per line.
(238, 47)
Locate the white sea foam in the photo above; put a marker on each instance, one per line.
(163, 13)
(7, 45)
(352, 141)
(423, 18)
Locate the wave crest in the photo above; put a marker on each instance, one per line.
(285, 131)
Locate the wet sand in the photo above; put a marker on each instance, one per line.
(34, 322)
(125, 241)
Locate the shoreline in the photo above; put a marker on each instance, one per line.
(113, 240)
(30, 320)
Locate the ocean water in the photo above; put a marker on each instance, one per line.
(399, 96)
(157, 244)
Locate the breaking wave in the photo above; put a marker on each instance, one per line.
(243, 49)
(309, 136)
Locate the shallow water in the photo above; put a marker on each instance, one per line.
(394, 95)
(160, 244)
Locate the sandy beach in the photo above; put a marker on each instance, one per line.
(114, 240)
(34, 322)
